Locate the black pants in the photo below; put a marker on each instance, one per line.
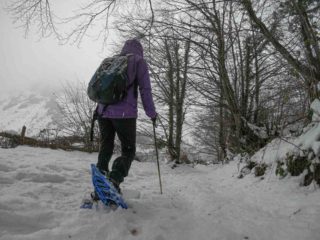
(126, 132)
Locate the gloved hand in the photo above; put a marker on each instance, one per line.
(154, 119)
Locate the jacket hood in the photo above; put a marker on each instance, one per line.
(132, 46)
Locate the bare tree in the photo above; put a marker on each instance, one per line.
(235, 71)
(168, 55)
(34, 12)
(303, 15)
(77, 110)
(173, 88)
(250, 73)
(94, 16)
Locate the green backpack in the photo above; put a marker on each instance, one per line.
(109, 83)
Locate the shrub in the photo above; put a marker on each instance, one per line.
(247, 168)
(260, 169)
(8, 142)
(184, 158)
(312, 175)
(297, 164)
(294, 164)
(280, 170)
(317, 173)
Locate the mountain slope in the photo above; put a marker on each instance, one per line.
(35, 111)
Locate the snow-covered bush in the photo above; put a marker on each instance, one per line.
(296, 164)
(260, 169)
(312, 175)
(296, 156)
(249, 164)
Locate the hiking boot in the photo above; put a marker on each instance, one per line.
(94, 196)
(103, 172)
(116, 185)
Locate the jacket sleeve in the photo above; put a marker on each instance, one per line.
(144, 84)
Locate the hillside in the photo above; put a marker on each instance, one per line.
(33, 110)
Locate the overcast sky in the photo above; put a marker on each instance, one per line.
(34, 63)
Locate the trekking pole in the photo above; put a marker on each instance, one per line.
(156, 146)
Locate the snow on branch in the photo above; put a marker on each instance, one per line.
(258, 131)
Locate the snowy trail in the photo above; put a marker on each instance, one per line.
(41, 190)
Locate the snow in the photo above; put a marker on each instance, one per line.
(258, 131)
(309, 140)
(274, 151)
(31, 109)
(315, 107)
(41, 191)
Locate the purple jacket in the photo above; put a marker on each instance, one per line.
(137, 69)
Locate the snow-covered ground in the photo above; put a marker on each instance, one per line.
(41, 191)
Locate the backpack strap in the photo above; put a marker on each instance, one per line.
(135, 85)
(94, 118)
(135, 81)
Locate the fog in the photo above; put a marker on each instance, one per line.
(34, 63)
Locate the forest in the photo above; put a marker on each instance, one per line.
(227, 76)
(234, 153)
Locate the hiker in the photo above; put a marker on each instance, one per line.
(120, 118)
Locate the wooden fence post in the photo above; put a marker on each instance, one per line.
(23, 133)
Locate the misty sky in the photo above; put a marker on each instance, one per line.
(34, 63)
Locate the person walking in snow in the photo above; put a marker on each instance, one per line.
(120, 118)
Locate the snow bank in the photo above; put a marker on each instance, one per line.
(296, 155)
(315, 107)
(308, 140)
